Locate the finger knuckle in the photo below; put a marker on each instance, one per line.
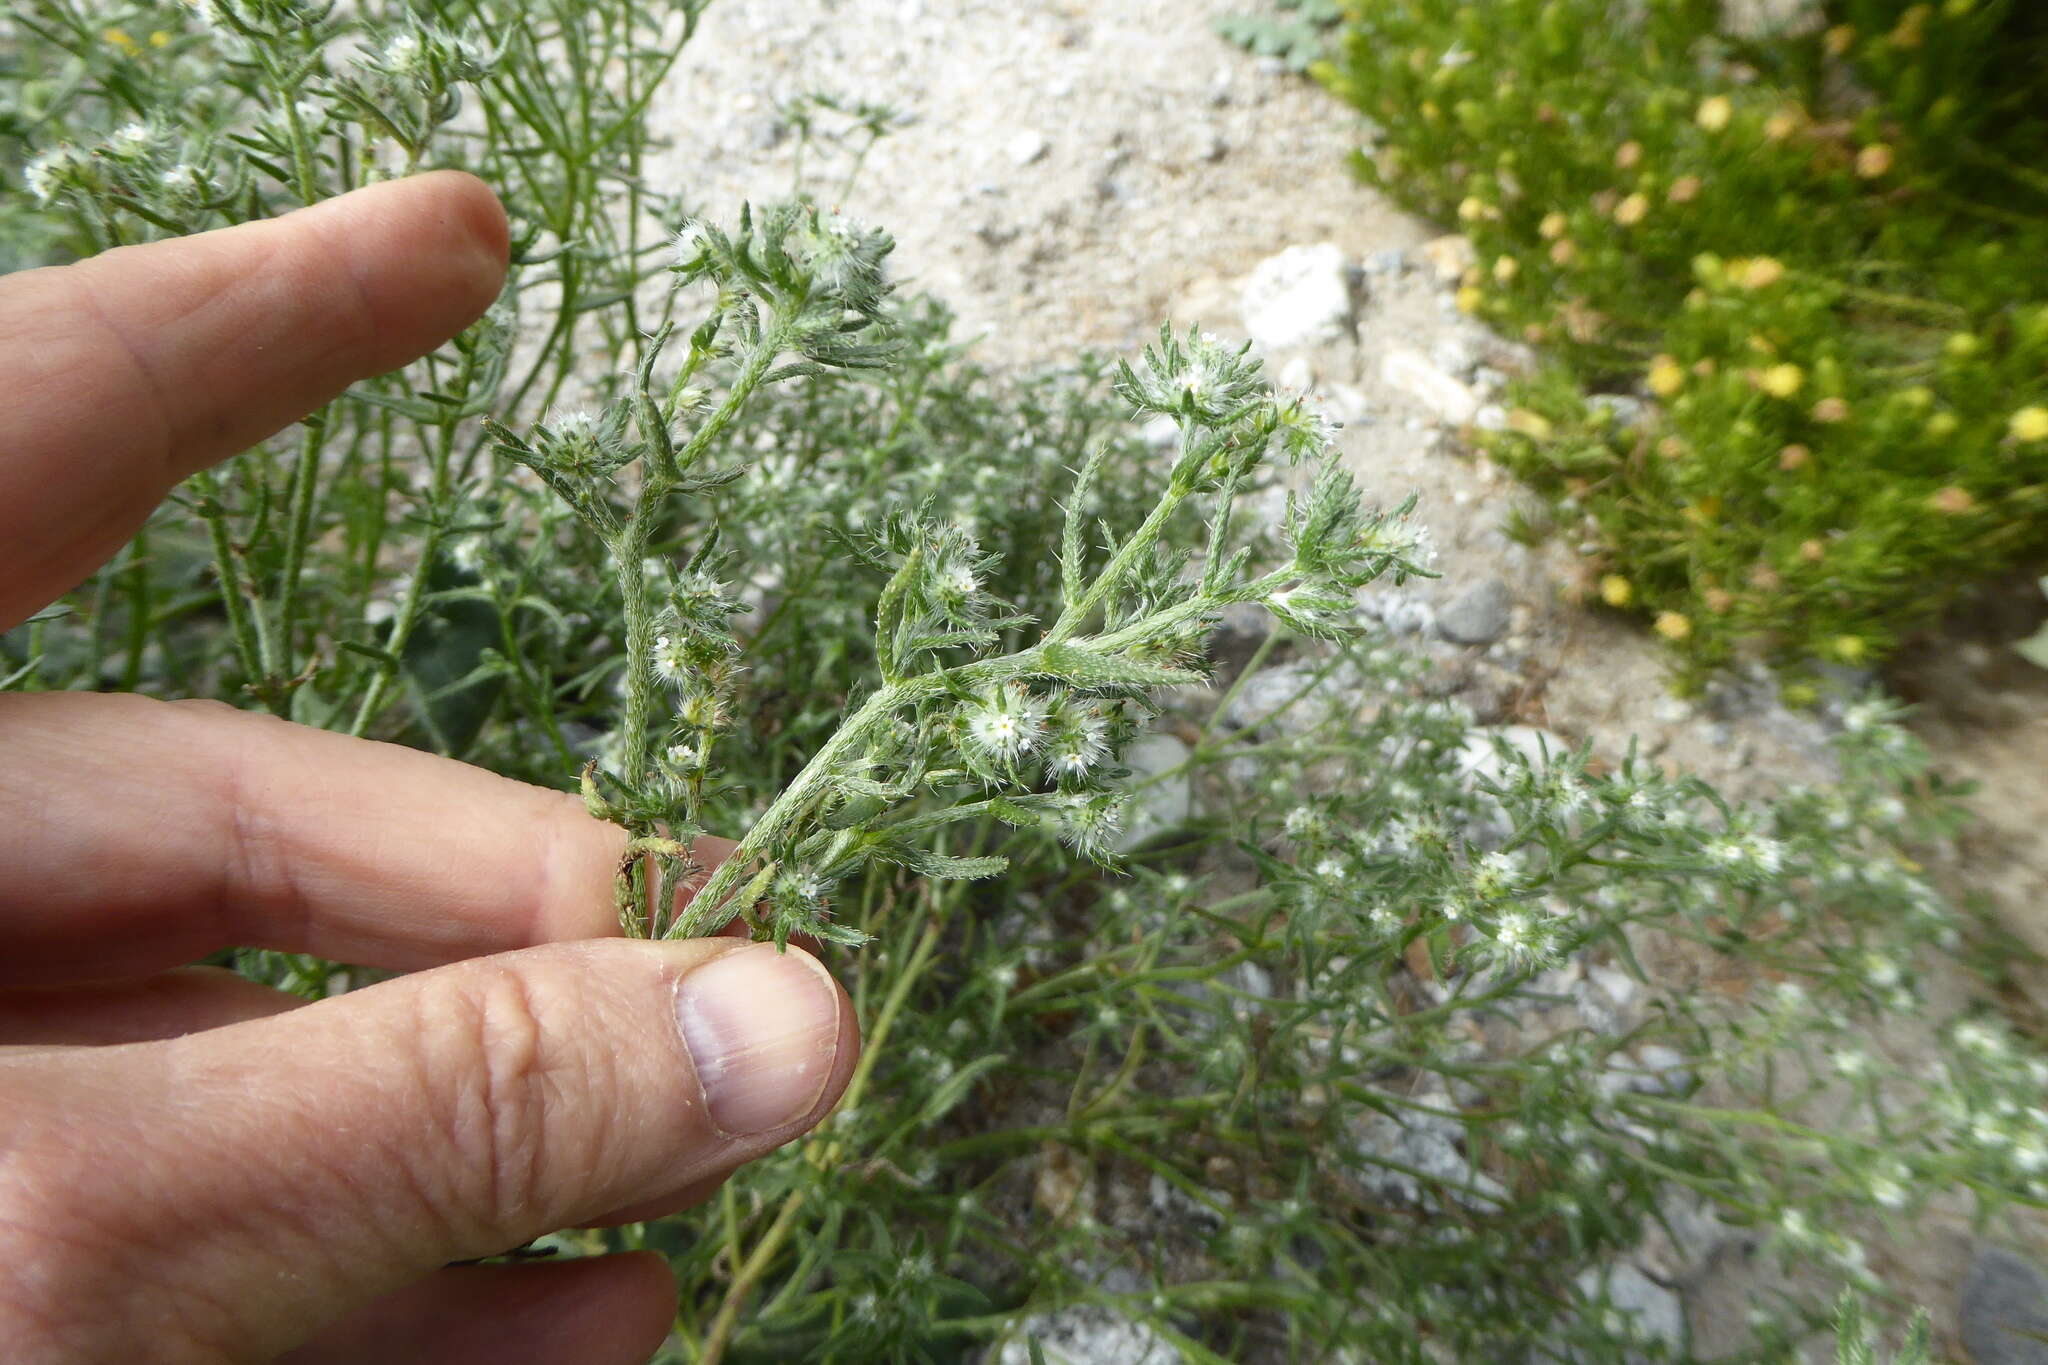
(508, 1083)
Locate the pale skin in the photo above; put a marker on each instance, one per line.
(194, 1168)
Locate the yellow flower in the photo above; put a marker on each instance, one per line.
(1783, 124)
(1685, 189)
(1667, 376)
(1552, 227)
(1714, 113)
(1616, 591)
(1506, 268)
(1472, 209)
(159, 39)
(2030, 425)
(1952, 500)
(1673, 625)
(1632, 210)
(118, 37)
(1470, 297)
(1874, 161)
(1629, 155)
(1563, 253)
(1782, 381)
(1850, 648)
(1911, 29)
(1761, 272)
(1831, 410)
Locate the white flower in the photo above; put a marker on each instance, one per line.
(691, 241)
(1972, 1036)
(1007, 723)
(1516, 932)
(131, 140)
(1081, 743)
(671, 661)
(45, 176)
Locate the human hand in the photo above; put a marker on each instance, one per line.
(194, 1168)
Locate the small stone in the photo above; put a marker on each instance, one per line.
(1617, 986)
(2004, 1312)
(1401, 610)
(1760, 19)
(1301, 297)
(1027, 147)
(1623, 410)
(1290, 700)
(1086, 1335)
(1414, 374)
(1491, 417)
(1477, 616)
(1158, 803)
(1389, 262)
(1480, 760)
(1656, 1309)
(1455, 357)
(1347, 406)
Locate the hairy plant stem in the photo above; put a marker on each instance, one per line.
(629, 548)
(710, 909)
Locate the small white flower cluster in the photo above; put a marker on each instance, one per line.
(1006, 723)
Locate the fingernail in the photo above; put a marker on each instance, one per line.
(762, 1027)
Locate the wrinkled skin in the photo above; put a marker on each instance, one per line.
(194, 1168)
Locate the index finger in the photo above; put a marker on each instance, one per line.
(138, 834)
(128, 372)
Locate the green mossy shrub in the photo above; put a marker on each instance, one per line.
(1819, 254)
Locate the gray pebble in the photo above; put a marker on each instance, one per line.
(1477, 616)
(2004, 1318)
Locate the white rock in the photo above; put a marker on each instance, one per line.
(1427, 1143)
(1265, 697)
(1301, 297)
(1657, 1310)
(1086, 1336)
(1347, 406)
(1479, 758)
(1297, 375)
(1160, 805)
(1027, 146)
(1773, 18)
(1414, 374)
(1617, 986)
(1455, 357)
(1450, 257)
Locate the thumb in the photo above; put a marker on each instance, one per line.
(226, 1194)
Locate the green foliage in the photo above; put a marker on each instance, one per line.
(712, 526)
(1830, 292)
(1298, 33)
